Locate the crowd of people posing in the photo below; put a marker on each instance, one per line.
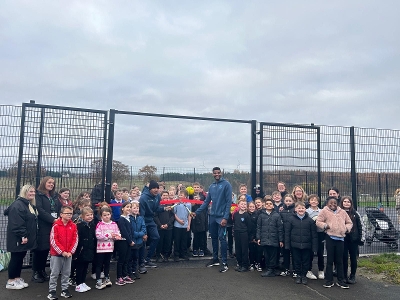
(135, 227)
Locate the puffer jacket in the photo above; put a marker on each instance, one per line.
(356, 233)
(301, 233)
(86, 249)
(269, 229)
(139, 230)
(21, 223)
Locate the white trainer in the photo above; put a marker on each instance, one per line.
(321, 275)
(310, 275)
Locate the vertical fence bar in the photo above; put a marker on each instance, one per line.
(353, 167)
(261, 168)
(39, 155)
(380, 188)
(104, 161)
(253, 157)
(20, 151)
(131, 181)
(110, 154)
(319, 161)
(387, 189)
(194, 174)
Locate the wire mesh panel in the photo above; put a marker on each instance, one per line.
(289, 154)
(378, 164)
(66, 144)
(335, 160)
(10, 121)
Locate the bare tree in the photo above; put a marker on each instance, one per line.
(148, 173)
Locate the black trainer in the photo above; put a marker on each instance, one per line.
(66, 294)
(213, 262)
(342, 285)
(224, 268)
(52, 295)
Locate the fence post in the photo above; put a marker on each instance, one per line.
(103, 172)
(387, 190)
(194, 174)
(380, 188)
(253, 157)
(110, 154)
(319, 161)
(20, 151)
(130, 185)
(261, 158)
(353, 167)
(39, 155)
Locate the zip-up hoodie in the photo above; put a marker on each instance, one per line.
(149, 205)
(63, 238)
(138, 230)
(338, 221)
(104, 231)
(220, 193)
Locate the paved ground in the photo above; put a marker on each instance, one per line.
(192, 280)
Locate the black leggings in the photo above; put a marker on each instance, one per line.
(350, 249)
(81, 270)
(15, 265)
(200, 240)
(103, 259)
(39, 260)
(124, 254)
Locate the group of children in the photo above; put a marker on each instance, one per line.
(263, 230)
(80, 237)
(298, 230)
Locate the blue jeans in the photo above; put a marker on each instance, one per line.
(218, 235)
(153, 238)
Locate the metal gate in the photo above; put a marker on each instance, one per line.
(290, 153)
(66, 143)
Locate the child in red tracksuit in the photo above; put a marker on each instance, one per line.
(63, 243)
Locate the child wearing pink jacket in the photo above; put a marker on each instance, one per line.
(336, 222)
(107, 232)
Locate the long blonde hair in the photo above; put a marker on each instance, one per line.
(24, 191)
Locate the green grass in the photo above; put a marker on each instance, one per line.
(387, 264)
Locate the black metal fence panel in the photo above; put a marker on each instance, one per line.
(10, 123)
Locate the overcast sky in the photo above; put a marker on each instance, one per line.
(322, 62)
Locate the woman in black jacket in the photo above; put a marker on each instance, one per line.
(352, 240)
(48, 207)
(21, 234)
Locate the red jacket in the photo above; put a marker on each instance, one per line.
(63, 238)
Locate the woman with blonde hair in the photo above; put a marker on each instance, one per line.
(299, 194)
(21, 234)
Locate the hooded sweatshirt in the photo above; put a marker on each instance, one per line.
(149, 205)
(338, 222)
(220, 193)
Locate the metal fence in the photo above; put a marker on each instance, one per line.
(71, 145)
(361, 162)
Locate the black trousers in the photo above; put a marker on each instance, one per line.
(103, 260)
(133, 260)
(350, 249)
(301, 261)
(180, 242)
(334, 254)
(165, 243)
(270, 254)
(15, 265)
(200, 240)
(320, 252)
(124, 254)
(81, 270)
(230, 239)
(39, 260)
(242, 248)
(253, 253)
(286, 259)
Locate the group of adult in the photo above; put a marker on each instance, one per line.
(30, 219)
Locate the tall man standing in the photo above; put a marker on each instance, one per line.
(220, 193)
